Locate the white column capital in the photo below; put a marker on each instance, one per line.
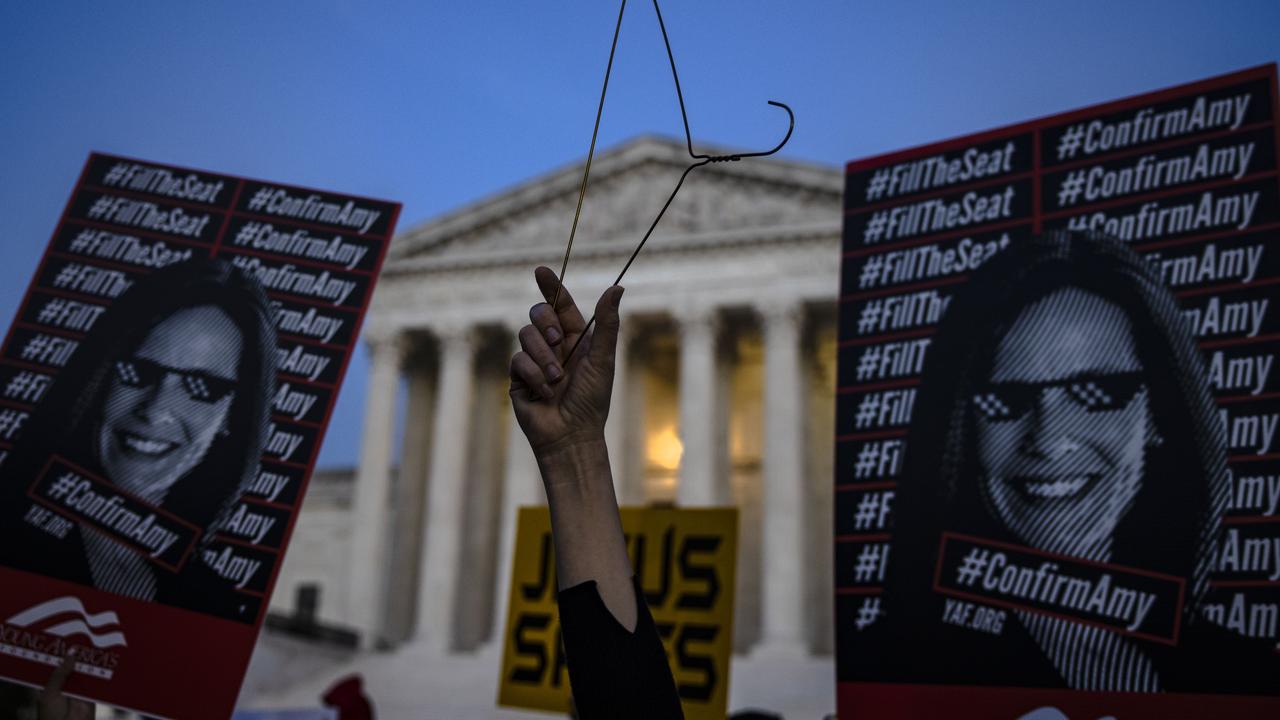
(694, 318)
(781, 312)
(455, 334)
(386, 343)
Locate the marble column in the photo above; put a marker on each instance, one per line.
(617, 429)
(633, 457)
(369, 520)
(698, 483)
(782, 611)
(521, 486)
(410, 493)
(437, 593)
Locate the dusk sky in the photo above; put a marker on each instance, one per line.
(437, 105)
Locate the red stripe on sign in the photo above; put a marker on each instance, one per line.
(891, 701)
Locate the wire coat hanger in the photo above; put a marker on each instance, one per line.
(699, 161)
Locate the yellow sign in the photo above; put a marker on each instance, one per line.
(685, 560)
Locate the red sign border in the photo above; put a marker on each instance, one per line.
(187, 622)
(890, 700)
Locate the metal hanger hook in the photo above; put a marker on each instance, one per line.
(791, 125)
(734, 157)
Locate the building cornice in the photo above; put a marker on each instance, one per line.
(525, 257)
(540, 190)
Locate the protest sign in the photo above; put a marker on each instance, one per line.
(685, 560)
(1056, 450)
(164, 390)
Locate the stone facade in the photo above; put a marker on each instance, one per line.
(728, 328)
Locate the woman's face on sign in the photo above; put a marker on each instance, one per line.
(1063, 423)
(167, 401)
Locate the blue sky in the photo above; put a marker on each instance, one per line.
(438, 104)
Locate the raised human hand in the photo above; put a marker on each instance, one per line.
(561, 401)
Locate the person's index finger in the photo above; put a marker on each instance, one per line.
(571, 320)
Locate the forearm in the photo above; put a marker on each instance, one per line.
(585, 525)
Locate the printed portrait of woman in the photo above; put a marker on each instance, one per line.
(167, 399)
(1064, 408)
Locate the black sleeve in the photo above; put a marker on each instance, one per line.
(614, 673)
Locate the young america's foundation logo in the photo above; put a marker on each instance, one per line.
(47, 632)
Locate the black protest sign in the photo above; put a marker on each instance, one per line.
(1056, 414)
(164, 390)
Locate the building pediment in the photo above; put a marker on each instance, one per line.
(628, 186)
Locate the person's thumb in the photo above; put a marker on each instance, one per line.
(604, 342)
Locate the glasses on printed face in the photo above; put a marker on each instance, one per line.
(137, 372)
(1093, 393)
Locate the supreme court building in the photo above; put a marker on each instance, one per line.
(724, 395)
